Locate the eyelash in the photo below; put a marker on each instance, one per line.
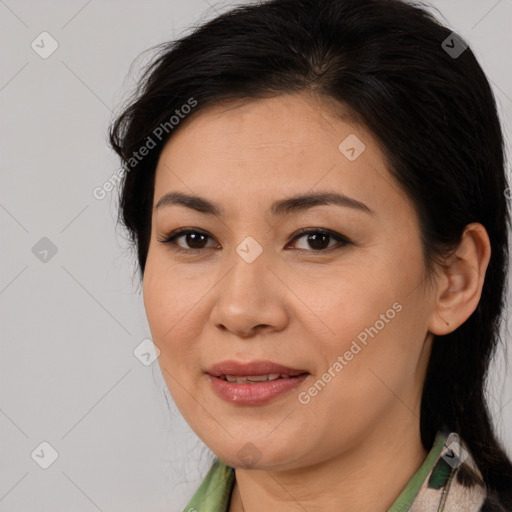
(342, 240)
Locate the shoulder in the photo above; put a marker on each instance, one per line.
(455, 483)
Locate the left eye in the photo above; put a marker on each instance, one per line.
(318, 240)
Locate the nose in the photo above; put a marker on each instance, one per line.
(251, 298)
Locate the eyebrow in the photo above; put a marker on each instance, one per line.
(281, 207)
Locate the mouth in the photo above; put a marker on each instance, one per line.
(256, 371)
(253, 383)
(254, 378)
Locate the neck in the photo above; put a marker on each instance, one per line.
(367, 478)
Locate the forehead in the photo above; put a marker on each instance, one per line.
(290, 143)
(291, 121)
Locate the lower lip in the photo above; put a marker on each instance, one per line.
(254, 394)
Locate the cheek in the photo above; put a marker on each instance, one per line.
(173, 307)
(174, 319)
(373, 329)
(346, 302)
(365, 368)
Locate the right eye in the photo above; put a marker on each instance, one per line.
(193, 238)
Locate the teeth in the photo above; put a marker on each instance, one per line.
(253, 378)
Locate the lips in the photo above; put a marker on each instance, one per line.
(253, 384)
(255, 368)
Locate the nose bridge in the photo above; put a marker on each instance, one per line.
(249, 266)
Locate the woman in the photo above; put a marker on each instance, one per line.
(316, 192)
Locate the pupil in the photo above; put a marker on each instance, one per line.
(193, 238)
(314, 239)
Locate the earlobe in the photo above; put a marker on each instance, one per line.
(461, 281)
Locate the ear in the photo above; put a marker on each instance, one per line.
(460, 282)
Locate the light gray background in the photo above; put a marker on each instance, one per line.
(68, 375)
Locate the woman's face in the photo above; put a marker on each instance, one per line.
(351, 313)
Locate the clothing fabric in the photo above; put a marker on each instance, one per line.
(447, 481)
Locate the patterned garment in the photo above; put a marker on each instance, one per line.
(447, 481)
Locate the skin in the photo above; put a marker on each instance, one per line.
(356, 444)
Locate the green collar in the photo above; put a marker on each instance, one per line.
(407, 496)
(214, 493)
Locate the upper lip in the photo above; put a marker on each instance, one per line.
(251, 368)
